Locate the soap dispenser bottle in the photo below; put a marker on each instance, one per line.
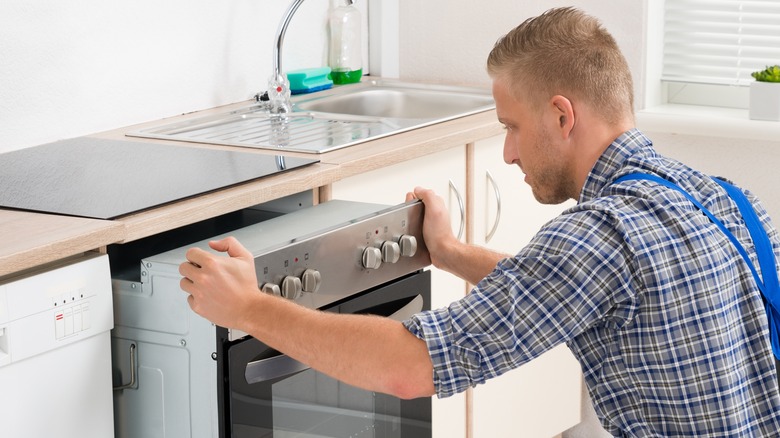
(345, 44)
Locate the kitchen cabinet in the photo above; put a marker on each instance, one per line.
(542, 397)
(445, 173)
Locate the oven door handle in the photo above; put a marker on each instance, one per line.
(272, 368)
(283, 365)
(412, 307)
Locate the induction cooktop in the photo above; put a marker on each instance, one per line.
(106, 179)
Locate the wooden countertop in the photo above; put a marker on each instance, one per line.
(32, 239)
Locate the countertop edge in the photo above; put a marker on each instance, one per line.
(47, 238)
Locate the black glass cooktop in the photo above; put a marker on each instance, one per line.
(105, 179)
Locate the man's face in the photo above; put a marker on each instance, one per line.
(532, 143)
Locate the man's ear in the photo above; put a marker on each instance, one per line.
(565, 113)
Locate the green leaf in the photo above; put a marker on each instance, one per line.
(770, 74)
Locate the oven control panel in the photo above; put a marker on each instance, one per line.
(302, 278)
(342, 260)
(322, 254)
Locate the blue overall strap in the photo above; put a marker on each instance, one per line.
(770, 288)
(766, 260)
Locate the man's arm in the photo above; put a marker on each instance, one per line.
(369, 352)
(469, 262)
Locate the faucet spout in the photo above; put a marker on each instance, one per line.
(280, 32)
(278, 86)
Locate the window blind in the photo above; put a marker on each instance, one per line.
(719, 41)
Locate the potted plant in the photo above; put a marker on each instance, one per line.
(765, 94)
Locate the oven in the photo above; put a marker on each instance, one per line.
(268, 394)
(176, 374)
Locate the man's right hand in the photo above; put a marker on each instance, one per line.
(437, 230)
(469, 262)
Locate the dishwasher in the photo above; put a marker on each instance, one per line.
(178, 375)
(55, 350)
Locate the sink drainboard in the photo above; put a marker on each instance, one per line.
(254, 127)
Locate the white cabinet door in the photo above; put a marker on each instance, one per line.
(541, 398)
(389, 185)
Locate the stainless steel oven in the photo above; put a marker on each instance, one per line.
(178, 375)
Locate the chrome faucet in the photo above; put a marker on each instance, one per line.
(278, 85)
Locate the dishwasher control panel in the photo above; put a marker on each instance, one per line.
(54, 306)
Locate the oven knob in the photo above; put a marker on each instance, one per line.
(372, 258)
(408, 245)
(310, 280)
(291, 287)
(271, 289)
(391, 252)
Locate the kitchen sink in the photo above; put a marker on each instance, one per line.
(396, 100)
(327, 120)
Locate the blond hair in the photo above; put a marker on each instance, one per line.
(566, 52)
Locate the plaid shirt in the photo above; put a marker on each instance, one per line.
(655, 302)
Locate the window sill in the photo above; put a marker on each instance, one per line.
(706, 121)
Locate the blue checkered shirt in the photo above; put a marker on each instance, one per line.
(655, 302)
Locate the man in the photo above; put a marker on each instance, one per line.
(654, 301)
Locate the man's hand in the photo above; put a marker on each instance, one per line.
(437, 230)
(469, 262)
(221, 288)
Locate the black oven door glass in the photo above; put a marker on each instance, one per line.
(267, 394)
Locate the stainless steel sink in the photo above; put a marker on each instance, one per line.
(328, 120)
(397, 100)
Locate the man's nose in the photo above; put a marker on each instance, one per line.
(510, 152)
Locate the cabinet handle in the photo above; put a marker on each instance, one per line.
(498, 206)
(462, 209)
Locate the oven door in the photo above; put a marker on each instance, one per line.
(267, 394)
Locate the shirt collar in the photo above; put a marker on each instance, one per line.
(612, 161)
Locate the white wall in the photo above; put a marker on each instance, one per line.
(449, 40)
(74, 68)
